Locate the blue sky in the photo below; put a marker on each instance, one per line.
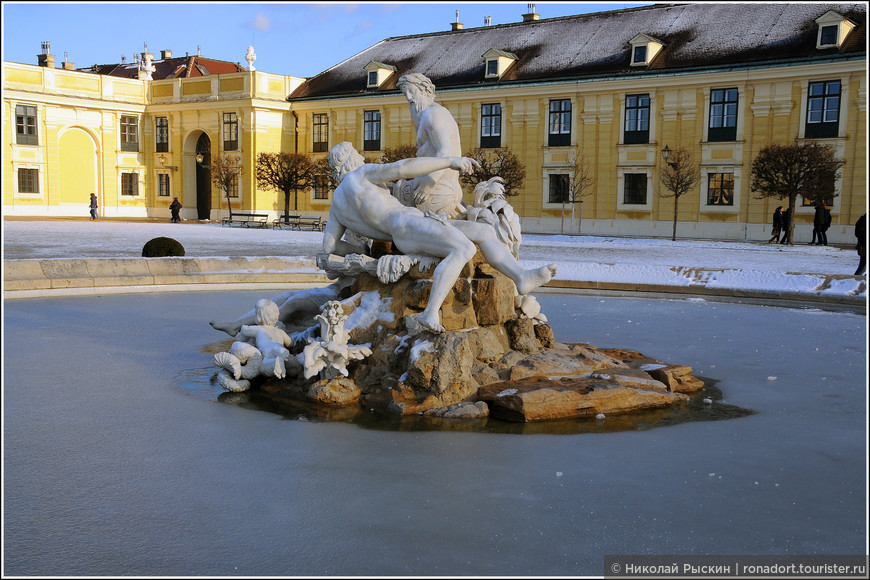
(289, 38)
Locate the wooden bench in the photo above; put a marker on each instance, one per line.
(256, 220)
(298, 222)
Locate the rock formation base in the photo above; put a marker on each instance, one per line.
(492, 360)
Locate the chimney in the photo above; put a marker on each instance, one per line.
(67, 65)
(456, 25)
(123, 59)
(165, 54)
(487, 20)
(532, 15)
(45, 59)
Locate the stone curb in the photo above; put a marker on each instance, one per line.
(78, 276)
(703, 290)
(32, 278)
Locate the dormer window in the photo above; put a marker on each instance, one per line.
(644, 49)
(497, 62)
(833, 29)
(377, 74)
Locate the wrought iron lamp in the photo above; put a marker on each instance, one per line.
(666, 153)
(162, 160)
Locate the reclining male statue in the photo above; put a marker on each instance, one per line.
(362, 203)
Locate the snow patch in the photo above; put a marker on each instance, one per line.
(421, 348)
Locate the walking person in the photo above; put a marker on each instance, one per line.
(784, 238)
(777, 226)
(175, 208)
(826, 223)
(95, 217)
(821, 223)
(861, 244)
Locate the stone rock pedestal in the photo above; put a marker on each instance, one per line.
(492, 360)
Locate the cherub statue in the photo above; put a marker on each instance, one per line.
(329, 354)
(260, 350)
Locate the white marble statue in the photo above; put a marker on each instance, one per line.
(363, 203)
(437, 136)
(148, 68)
(330, 353)
(388, 268)
(270, 342)
(294, 305)
(491, 207)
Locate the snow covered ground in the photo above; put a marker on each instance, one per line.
(722, 264)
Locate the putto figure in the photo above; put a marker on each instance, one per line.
(260, 350)
(437, 136)
(363, 204)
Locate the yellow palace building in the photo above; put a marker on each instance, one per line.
(617, 87)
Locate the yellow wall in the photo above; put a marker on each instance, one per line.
(771, 109)
(79, 145)
(79, 149)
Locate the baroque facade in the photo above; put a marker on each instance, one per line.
(616, 87)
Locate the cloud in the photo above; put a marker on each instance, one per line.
(261, 22)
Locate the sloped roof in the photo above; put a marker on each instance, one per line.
(588, 45)
(170, 68)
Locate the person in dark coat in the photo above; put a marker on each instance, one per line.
(861, 245)
(777, 226)
(175, 208)
(821, 223)
(95, 217)
(784, 238)
(826, 223)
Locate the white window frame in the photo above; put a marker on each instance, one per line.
(169, 180)
(735, 170)
(620, 190)
(139, 184)
(554, 170)
(40, 181)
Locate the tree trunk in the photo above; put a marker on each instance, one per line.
(286, 203)
(562, 228)
(674, 236)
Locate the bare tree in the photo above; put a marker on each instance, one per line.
(580, 181)
(225, 172)
(808, 169)
(496, 162)
(679, 176)
(285, 172)
(398, 153)
(323, 174)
